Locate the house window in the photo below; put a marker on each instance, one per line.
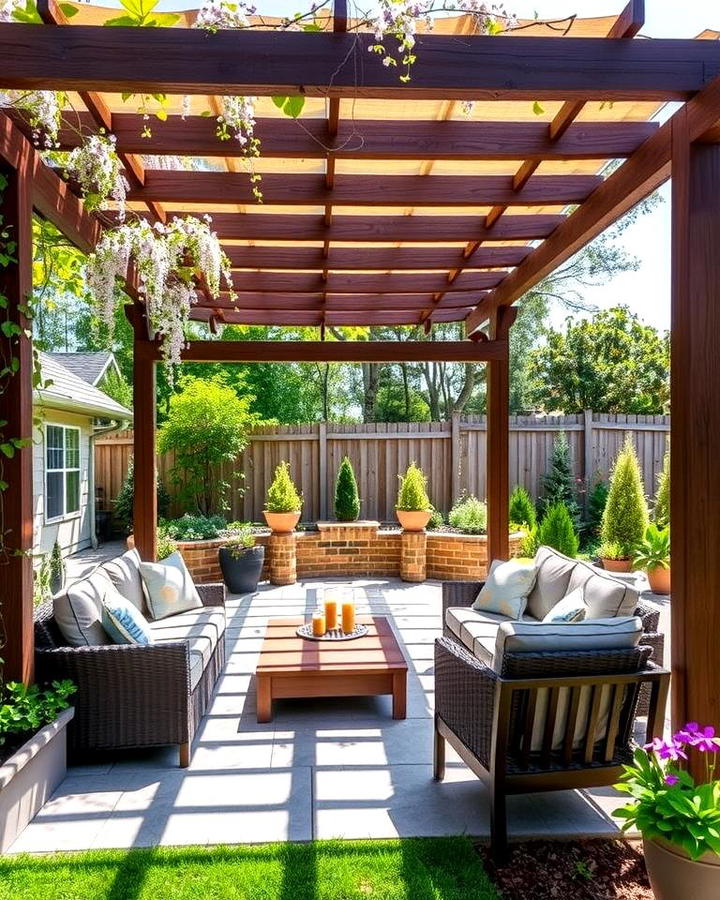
(62, 471)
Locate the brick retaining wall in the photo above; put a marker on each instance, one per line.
(355, 549)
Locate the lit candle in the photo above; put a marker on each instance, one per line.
(318, 623)
(348, 617)
(331, 611)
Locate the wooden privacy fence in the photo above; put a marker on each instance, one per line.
(452, 455)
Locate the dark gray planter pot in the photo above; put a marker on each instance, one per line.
(30, 775)
(241, 571)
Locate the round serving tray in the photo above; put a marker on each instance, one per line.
(337, 634)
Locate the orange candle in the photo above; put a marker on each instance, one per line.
(348, 617)
(331, 611)
(318, 623)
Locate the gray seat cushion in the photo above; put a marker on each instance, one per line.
(476, 630)
(78, 610)
(604, 595)
(553, 571)
(201, 628)
(124, 572)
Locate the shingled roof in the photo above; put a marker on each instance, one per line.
(74, 394)
(89, 366)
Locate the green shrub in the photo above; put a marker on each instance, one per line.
(557, 530)
(240, 539)
(166, 545)
(469, 516)
(412, 495)
(522, 510)
(558, 484)
(436, 518)
(192, 528)
(596, 502)
(610, 550)
(347, 500)
(57, 569)
(42, 591)
(24, 709)
(661, 513)
(282, 495)
(653, 552)
(123, 507)
(626, 514)
(529, 543)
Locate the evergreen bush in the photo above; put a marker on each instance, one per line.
(557, 530)
(282, 495)
(412, 495)
(57, 569)
(558, 484)
(661, 513)
(347, 500)
(469, 516)
(626, 513)
(596, 501)
(436, 519)
(522, 511)
(123, 507)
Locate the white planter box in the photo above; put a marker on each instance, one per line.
(30, 776)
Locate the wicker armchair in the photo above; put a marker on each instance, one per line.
(463, 593)
(130, 696)
(493, 720)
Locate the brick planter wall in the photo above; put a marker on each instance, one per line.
(355, 549)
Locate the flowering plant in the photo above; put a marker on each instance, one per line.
(97, 168)
(43, 110)
(667, 803)
(170, 259)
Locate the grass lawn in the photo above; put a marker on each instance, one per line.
(416, 869)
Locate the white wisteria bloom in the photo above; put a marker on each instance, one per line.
(97, 168)
(44, 111)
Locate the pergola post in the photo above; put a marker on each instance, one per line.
(498, 423)
(16, 572)
(695, 434)
(144, 451)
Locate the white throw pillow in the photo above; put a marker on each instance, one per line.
(170, 588)
(506, 590)
(571, 608)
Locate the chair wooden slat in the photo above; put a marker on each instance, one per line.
(571, 724)
(530, 707)
(618, 694)
(597, 695)
(549, 732)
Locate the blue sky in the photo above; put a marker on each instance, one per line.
(646, 291)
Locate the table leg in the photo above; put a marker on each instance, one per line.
(399, 695)
(264, 698)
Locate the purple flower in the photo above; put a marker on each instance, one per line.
(671, 780)
(672, 749)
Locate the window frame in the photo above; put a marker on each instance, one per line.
(65, 516)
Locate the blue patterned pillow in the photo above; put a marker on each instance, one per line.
(123, 621)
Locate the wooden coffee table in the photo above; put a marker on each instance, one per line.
(290, 666)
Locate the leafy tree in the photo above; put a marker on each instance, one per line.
(123, 508)
(661, 513)
(610, 363)
(522, 510)
(115, 385)
(347, 500)
(207, 425)
(557, 530)
(626, 514)
(558, 484)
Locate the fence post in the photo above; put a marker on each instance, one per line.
(587, 452)
(455, 456)
(322, 470)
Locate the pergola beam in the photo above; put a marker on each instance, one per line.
(371, 283)
(263, 63)
(371, 140)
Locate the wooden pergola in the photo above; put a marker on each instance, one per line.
(385, 205)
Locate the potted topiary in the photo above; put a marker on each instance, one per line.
(625, 517)
(653, 556)
(679, 819)
(241, 561)
(347, 499)
(284, 503)
(413, 507)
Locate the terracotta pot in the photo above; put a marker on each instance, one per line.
(617, 565)
(282, 523)
(673, 875)
(659, 580)
(130, 541)
(413, 519)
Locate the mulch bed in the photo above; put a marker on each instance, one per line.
(573, 870)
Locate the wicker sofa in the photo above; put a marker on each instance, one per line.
(135, 696)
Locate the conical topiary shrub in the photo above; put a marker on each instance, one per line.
(412, 494)
(522, 511)
(626, 513)
(558, 483)
(557, 530)
(661, 513)
(347, 500)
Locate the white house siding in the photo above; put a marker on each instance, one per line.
(73, 532)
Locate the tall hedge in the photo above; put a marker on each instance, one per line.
(558, 483)
(626, 512)
(557, 530)
(347, 500)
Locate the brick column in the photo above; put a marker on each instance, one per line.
(283, 558)
(413, 546)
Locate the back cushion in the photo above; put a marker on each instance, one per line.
(605, 596)
(78, 610)
(553, 572)
(124, 572)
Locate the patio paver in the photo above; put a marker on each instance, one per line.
(339, 767)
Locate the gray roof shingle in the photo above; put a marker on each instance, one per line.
(89, 366)
(68, 391)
